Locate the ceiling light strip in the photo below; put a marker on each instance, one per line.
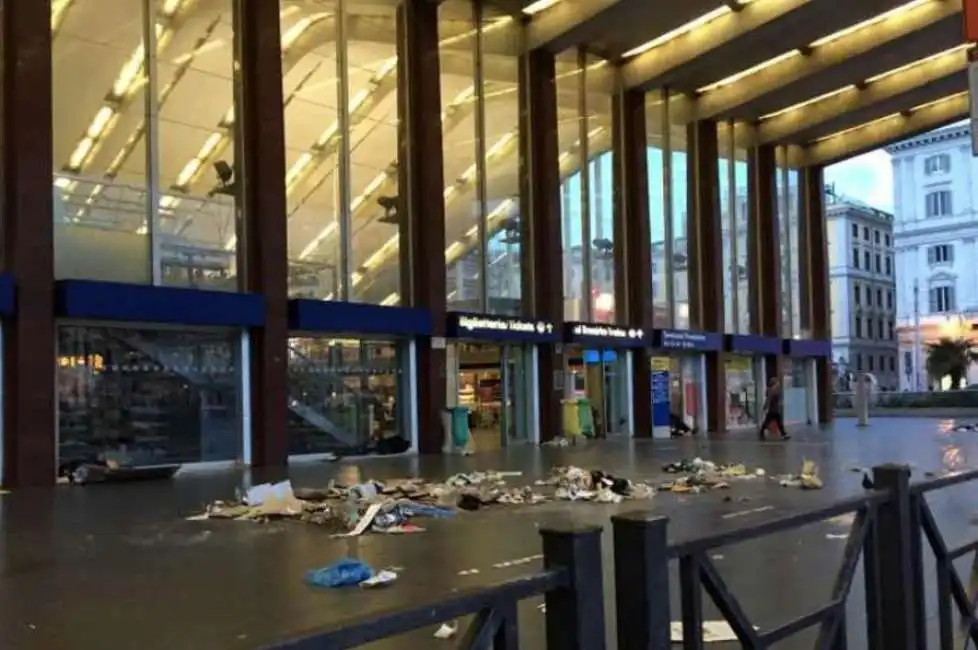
(825, 40)
(872, 80)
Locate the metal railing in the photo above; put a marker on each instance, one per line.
(570, 582)
(890, 522)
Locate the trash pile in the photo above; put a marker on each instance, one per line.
(351, 507)
(576, 484)
(700, 475)
(807, 479)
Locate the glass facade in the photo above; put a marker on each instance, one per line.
(147, 397)
(340, 85)
(346, 396)
(151, 157)
(144, 142)
(584, 108)
(480, 117)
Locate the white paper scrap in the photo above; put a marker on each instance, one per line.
(713, 632)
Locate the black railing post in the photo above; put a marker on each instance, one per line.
(642, 581)
(897, 597)
(575, 613)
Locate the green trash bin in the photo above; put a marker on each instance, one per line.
(585, 417)
(460, 426)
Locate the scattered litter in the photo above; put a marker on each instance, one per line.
(259, 494)
(447, 630)
(468, 572)
(559, 441)
(716, 556)
(382, 579)
(837, 536)
(542, 607)
(344, 573)
(807, 479)
(367, 519)
(713, 632)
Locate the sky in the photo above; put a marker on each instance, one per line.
(867, 178)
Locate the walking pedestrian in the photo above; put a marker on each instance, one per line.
(773, 409)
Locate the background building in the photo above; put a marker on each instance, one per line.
(863, 289)
(936, 237)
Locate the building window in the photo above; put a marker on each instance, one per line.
(879, 326)
(855, 258)
(937, 164)
(886, 239)
(892, 364)
(942, 299)
(856, 291)
(889, 300)
(865, 233)
(876, 237)
(869, 328)
(889, 265)
(855, 231)
(879, 263)
(879, 297)
(866, 259)
(859, 363)
(859, 327)
(940, 254)
(869, 360)
(939, 203)
(892, 332)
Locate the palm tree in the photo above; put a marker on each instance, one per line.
(950, 358)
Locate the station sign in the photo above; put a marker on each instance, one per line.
(603, 335)
(490, 327)
(687, 340)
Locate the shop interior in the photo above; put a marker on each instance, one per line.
(684, 374)
(595, 390)
(343, 396)
(745, 390)
(492, 386)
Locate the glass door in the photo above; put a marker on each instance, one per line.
(514, 414)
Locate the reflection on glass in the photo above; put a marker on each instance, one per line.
(787, 193)
(744, 390)
(144, 142)
(728, 228)
(344, 395)
(147, 397)
(740, 243)
(571, 126)
(793, 224)
(654, 115)
(733, 210)
(342, 183)
(314, 144)
(463, 174)
(601, 207)
(680, 224)
(798, 390)
(502, 43)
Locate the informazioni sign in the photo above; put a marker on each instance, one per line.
(687, 340)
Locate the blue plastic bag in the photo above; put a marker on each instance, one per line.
(344, 573)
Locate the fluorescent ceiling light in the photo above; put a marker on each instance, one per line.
(538, 6)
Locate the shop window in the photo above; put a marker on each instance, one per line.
(345, 396)
(147, 397)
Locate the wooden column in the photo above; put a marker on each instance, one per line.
(706, 258)
(633, 245)
(420, 196)
(260, 163)
(540, 221)
(29, 349)
(816, 305)
(764, 251)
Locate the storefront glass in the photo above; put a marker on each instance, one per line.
(148, 397)
(732, 172)
(493, 383)
(677, 173)
(144, 142)
(798, 391)
(346, 396)
(600, 377)
(687, 403)
(745, 390)
(788, 221)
